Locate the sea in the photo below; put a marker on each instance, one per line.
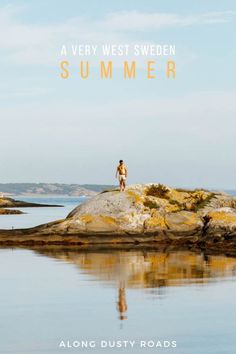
(67, 300)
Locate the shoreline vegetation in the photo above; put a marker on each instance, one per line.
(150, 215)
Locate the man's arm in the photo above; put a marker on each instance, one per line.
(117, 172)
(126, 172)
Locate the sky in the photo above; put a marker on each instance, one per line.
(178, 132)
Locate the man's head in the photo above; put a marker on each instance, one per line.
(121, 162)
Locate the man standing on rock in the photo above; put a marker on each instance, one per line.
(122, 172)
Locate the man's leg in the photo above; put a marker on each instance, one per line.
(120, 184)
(124, 184)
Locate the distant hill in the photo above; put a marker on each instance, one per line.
(51, 189)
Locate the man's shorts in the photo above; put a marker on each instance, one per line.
(122, 178)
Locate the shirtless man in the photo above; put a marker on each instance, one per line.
(122, 172)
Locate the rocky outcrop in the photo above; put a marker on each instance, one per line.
(142, 214)
(10, 211)
(12, 203)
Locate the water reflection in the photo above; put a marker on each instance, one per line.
(122, 303)
(146, 269)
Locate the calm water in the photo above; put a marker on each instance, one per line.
(36, 216)
(50, 295)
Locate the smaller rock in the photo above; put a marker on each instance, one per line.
(221, 222)
(10, 211)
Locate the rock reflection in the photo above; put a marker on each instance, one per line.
(146, 269)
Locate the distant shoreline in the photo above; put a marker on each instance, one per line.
(51, 189)
(45, 196)
(63, 190)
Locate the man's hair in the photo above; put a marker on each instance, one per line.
(121, 161)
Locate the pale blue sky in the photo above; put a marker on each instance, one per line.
(178, 132)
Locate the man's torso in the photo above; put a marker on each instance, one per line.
(121, 169)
